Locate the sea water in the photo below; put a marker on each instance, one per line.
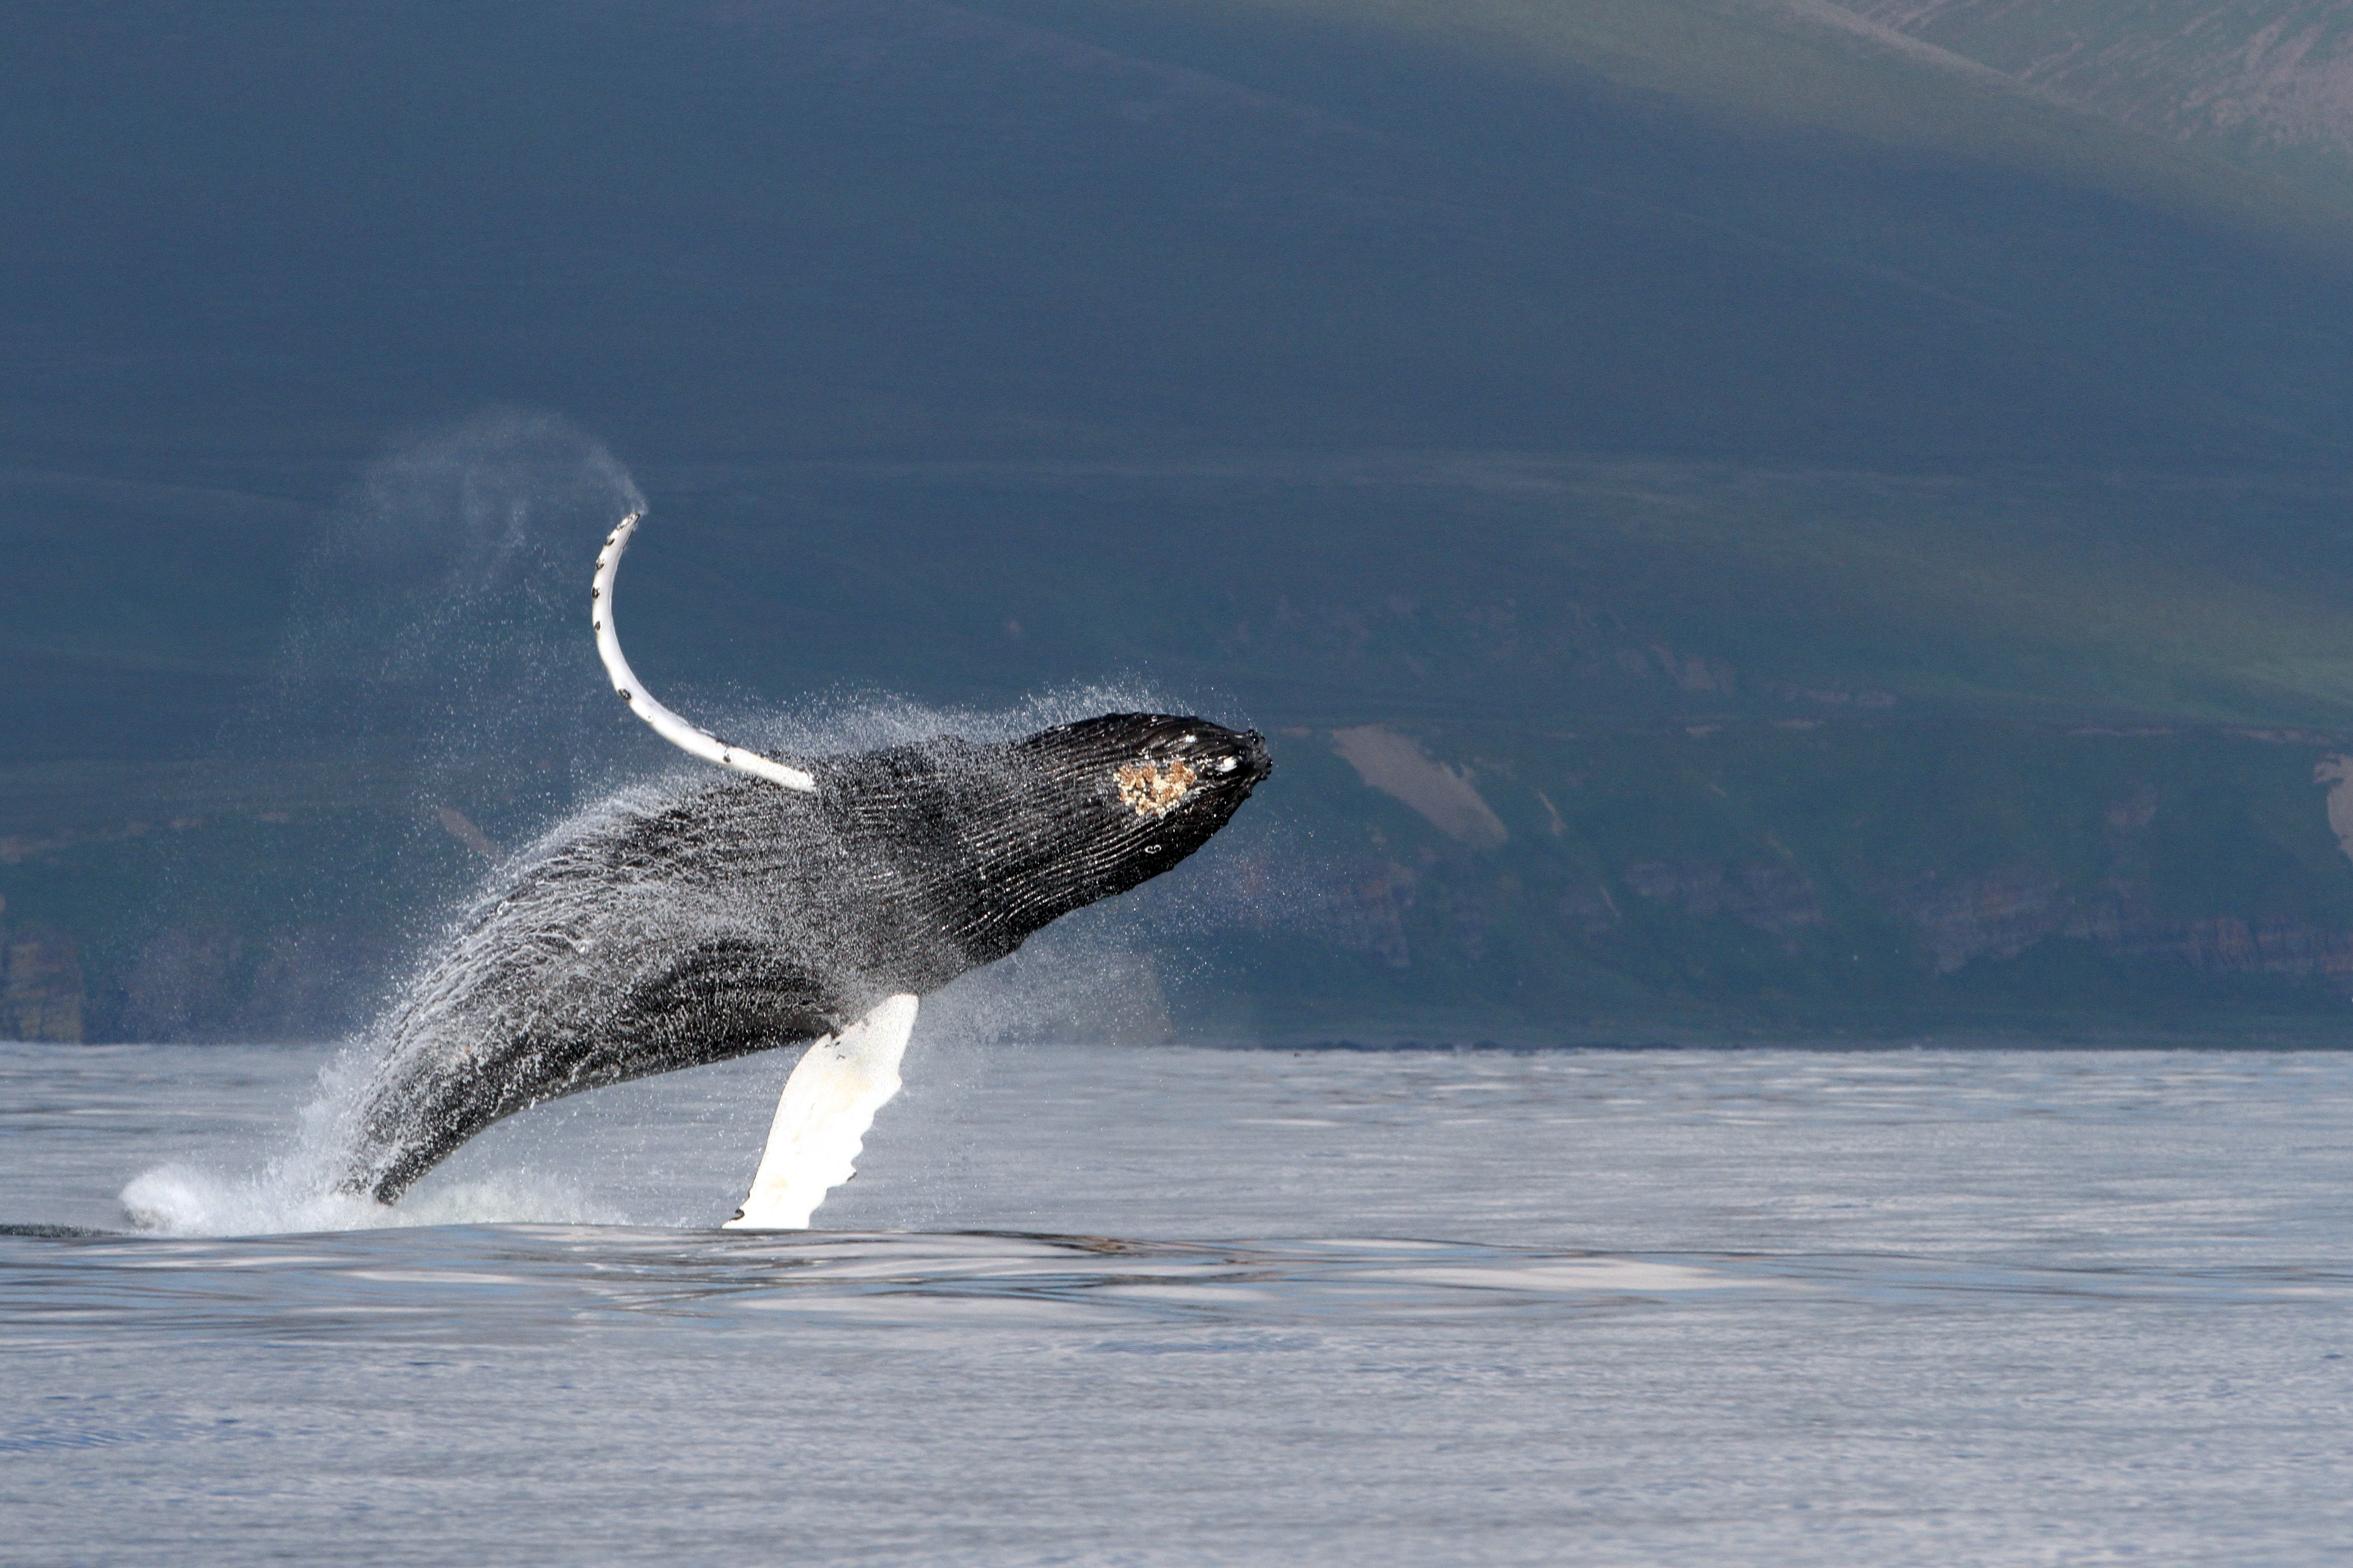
(1175, 1305)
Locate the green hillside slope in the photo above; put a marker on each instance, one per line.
(1866, 72)
(2265, 83)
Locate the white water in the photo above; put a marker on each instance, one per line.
(1178, 1305)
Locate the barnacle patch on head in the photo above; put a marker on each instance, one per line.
(1155, 791)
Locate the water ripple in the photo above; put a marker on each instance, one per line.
(473, 1281)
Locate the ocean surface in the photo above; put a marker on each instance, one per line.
(1096, 1305)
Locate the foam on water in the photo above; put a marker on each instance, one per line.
(292, 1189)
(189, 1200)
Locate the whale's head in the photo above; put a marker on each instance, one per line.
(1148, 786)
(1093, 809)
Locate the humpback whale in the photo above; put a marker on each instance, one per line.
(785, 900)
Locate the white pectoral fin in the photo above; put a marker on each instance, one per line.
(691, 739)
(829, 1104)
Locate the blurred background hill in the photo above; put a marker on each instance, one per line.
(2268, 86)
(1739, 518)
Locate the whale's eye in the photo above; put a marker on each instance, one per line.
(1154, 790)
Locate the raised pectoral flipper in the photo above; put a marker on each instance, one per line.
(822, 1117)
(691, 739)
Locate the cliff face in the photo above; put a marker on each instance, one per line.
(41, 996)
(1862, 874)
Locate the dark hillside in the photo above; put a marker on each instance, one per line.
(1724, 516)
(912, 227)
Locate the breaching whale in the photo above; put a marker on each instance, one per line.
(787, 900)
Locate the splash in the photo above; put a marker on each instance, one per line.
(434, 642)
(186, 1200)
(293, 1192)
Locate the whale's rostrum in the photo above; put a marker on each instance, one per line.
(811, 898)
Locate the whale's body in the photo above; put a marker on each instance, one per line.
(736, 916)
